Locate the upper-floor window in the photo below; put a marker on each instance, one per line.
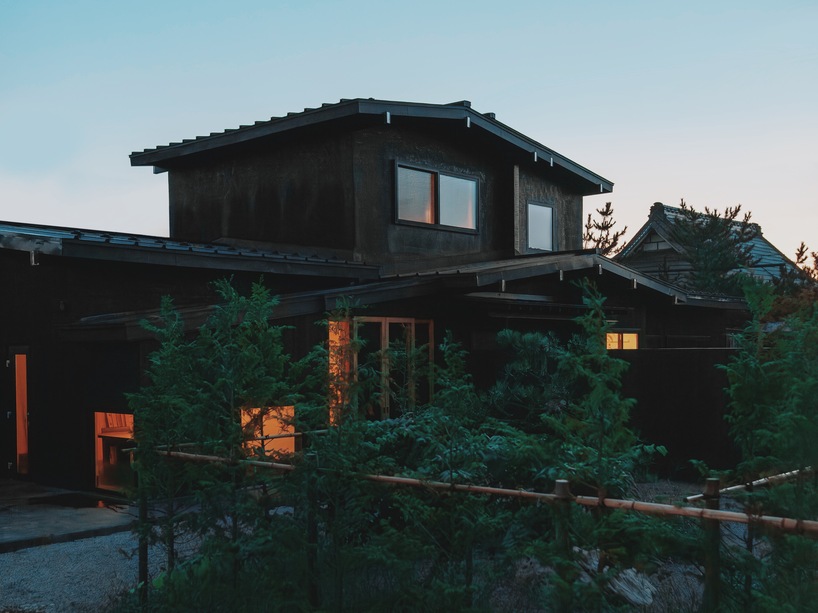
(435, 198)
(541, 227)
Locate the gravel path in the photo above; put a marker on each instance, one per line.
(79, 576)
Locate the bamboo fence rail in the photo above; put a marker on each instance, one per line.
(772, 480)
(561, 494)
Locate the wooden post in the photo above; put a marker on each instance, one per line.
(712, 560)
(750, 545)
(562, 519)
(313, 588)
(143, 550)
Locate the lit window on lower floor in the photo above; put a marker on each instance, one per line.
(397, 351)
(269, 432)
(622, 340)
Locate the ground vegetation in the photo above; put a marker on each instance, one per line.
(328, 530)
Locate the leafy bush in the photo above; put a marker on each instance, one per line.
(325, 536)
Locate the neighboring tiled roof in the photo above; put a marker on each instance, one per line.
(768, 259)
(383, 111)
(139, 248)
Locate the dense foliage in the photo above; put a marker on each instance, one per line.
(324, 532)
(773, 392)
(323, 537)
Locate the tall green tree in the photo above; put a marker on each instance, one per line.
(772, 390)
(570, 394)
(599, 446)
(199, 388)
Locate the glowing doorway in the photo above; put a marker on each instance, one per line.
(21, 411)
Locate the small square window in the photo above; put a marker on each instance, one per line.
(622, 340)
(541, 227)
(434, 198)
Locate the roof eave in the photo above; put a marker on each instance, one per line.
(540, 154)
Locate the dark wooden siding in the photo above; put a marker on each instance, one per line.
(72, 376)
(567, 207)
(335, 192)
(380, 238)
(297, 193)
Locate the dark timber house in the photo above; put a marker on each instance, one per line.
(431, 216)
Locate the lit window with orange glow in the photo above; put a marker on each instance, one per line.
(398, 350)
(114, 435)
(622, 340)
(339, 348)
(269, 432)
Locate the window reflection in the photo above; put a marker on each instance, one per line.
(540, 227)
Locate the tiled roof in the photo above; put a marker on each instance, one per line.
(55, 240)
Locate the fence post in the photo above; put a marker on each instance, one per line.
(313, 588)
(712, 559)
(562, 519)
(142, 581)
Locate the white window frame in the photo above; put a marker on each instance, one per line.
(530, 206)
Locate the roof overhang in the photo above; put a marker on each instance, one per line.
(469, 281)
(382, 111)
(486, 274)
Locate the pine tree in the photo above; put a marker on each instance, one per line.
(773, 386)
(599, 233)
(198, 390)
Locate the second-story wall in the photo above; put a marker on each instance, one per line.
(382, 235)
(532, 192)
(336, 192)
(297, 193)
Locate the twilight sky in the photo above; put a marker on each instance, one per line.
(712, 101)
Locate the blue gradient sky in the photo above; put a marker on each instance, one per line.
(714, 102)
